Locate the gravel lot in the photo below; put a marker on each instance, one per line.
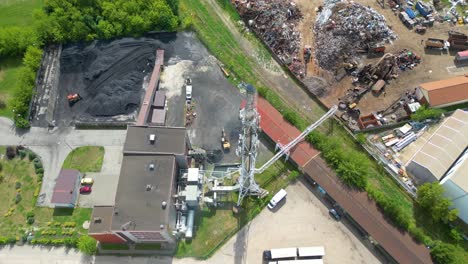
(302, 220)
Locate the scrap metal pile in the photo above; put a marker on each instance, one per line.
(343, 28)
(275, 21)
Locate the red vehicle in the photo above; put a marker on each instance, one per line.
(85, 189)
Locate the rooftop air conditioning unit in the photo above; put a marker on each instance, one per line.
(151, 166)
(152, 138)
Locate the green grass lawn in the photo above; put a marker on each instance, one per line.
(85, 159)
(9, 70)
(213, 227)
(20, 173)
(18, 12)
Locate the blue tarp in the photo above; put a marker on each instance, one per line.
(410, 12)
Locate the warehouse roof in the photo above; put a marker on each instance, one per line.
(447, 91)
(445, 146)
(167, 140)
(281, 131)
(145, 182)
(66, 187)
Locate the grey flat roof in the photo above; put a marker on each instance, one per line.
(101, 219)
(169, 140)
(137, 206)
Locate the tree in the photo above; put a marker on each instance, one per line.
(431, 198)
(87, 245)
(442, 253)
(424, 113)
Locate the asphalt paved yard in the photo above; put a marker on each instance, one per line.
(105, 181)
(301, 221)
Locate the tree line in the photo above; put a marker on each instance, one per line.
(63, 21)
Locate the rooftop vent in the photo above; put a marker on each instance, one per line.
(149, 187)
(151, 166)
(161, 226)
(164, 204)
(152, 138)
(97, 220)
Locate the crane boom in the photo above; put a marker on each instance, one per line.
(290, 145)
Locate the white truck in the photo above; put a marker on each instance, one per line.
(277, 198)
(188, 90)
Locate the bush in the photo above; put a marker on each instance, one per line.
(69, 224)
(442, 253)
(30, 220)
(17, 185)
(37, 191)
(10, 152)
(70, 242)
(29, 214)
(18, 198)
(2, 104)
(87, 245)
(40, 171)
(31, 155)
(7, 240)
(22, 154)
(1, 166)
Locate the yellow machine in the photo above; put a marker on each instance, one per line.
(225, 141)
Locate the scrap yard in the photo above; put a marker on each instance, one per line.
(362, 55)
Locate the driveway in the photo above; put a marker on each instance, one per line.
(54, 145)
(302, 220)
(105, 181)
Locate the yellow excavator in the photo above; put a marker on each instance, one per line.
(225, 141)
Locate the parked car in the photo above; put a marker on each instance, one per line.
(277, 198)
(335, 214)
(87, 181)
(85, 189)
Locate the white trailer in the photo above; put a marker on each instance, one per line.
(280, 253)
(311, 252)
(302, 261)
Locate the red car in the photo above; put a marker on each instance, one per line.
(85, 189)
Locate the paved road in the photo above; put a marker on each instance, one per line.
(54, 145)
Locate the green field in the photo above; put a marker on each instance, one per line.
(18, 12)
(9, 70)
(85, 159)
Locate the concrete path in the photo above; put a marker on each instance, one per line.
(48, 255)
(54, 145)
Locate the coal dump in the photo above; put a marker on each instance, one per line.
(108, 76)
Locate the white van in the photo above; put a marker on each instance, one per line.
(277, 198)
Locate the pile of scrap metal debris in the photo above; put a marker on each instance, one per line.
(344, 29)
(275, 22)
(375, 77)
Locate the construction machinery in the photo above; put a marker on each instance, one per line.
(73, 98)
(225, 141)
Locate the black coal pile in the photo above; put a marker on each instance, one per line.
(107, 75)
(342, 28)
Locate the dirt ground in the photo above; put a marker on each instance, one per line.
(435, 64)
(301, 220)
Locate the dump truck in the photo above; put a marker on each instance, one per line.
(459, 44)
(432, 43)
(371, 49)
(461, 57)
(225, 141)
(406, 20)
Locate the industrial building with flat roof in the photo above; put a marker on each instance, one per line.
(445, 92)
(444, 158)
(144, 211)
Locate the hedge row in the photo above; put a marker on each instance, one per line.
(24, 92)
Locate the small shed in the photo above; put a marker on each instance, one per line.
(159, 99)
(66, 188)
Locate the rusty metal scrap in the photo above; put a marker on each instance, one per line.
(275, 22)
(344, 27)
